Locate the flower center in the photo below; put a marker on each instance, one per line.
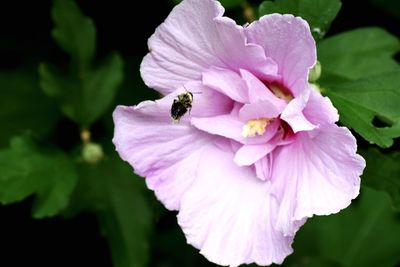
(281, 93)
(255, 127)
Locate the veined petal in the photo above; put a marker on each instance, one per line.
(182, 46)
(319, 109)
(258, 91)
(231, 127)
(249, 154)
(239, 54)
(319, 175)
(259, 109)
(288, 41)
(193, 38)
(165, 153)
(226, 82)
(229, 215)
(293, 113)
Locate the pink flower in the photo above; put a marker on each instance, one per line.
(259, 152)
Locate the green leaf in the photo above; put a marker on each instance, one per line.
(347, 238)
(23, 106)
(116, 195)
(73, 32)
(27, 169)
(232, 3)
(85, 94)
(357, 54)
(84, 100)
(225, 3)
(359, 102)
(382, 172)
(318, 13)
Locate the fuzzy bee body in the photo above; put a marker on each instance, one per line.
(182, 104)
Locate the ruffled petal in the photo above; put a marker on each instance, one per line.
(258, 91)
(226, 82)
(249, 154)
(319, 109)
(238, 54)
(263, 167)
(206, 102)
(229, 215)
(315, 175)
(193, 38)
(293, 113)
(231, 127)
(259, 109)
(288, 41)
(165, 153)
(182, 46)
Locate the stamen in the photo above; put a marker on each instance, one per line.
(255, 127)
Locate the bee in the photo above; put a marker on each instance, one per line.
(182, 104)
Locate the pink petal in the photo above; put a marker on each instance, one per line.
(259, 109)
(263, 167)
(293, 114)
(206, 102)
(165, 153)
(226, 82)
(231, 127)
(238, 54)
(288, 41)
(224, 125)
(319, 175)
(182, 46)
(319, 110)
(249, 154)
(229, 215)
(193, 38)
(258, 91)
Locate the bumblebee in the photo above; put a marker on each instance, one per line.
(182, 104)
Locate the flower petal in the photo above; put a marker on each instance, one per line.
(293, 114)
(238, 54)
(166, 154)
(206, 102)
(263, 167)
(226, 82)
(259, 109)
(231, 127)
(249, 154)
(182, 46)
(258, 91)
(224, 125)
(288, 41)
(193, 38)
(228, 214)
(319, 175)
(319, 110)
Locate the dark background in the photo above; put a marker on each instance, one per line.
(25, 40)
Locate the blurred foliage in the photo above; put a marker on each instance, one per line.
(382, 172)
(364, 234)
(117, 197)
(86, 93)
(23, 106)
(28, 168)
(359, 74)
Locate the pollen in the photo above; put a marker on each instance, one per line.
(255, 127)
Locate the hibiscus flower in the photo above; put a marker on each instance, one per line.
(258, 153)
